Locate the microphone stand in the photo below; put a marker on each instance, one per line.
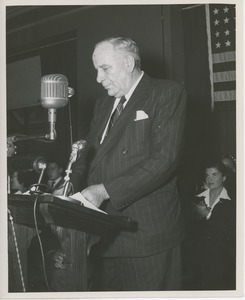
(42, 167)
(68, 171)
(16, 138)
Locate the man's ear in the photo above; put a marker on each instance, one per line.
(129, 62)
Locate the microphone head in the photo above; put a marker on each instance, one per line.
(54, 91)
(77, 148)
(39, 164)
(79, 145)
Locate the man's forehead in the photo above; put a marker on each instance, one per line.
(103, 48)
(52, 165)
(107, 52)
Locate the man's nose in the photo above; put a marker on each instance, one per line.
(100, 76)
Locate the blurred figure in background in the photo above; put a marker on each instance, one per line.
(55, 174)
(213, 250)
(22, 180)
(54, 259)
(56, 181)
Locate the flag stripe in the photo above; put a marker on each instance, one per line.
(224, 57)
(224, 96)
(224, 86)
(227, 66)
(220, 24)
(224, 76)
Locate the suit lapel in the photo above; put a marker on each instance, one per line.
(104, 116)
(59, 183)
(137, 100)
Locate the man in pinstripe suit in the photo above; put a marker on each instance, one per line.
(132, 170)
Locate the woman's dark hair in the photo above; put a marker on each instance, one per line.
(217, 165)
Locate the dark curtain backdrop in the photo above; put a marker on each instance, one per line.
(209, 135)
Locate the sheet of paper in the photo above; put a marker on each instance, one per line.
(78, 196)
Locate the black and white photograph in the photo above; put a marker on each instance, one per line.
(123, 124)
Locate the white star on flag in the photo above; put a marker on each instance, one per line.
(216, 11)
(226, 9)
(227, 43)
(226, 20)
(216, 22)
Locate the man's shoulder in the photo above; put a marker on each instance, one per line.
(167, 83)
(164, 83)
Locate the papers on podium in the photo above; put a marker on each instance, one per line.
(78, 196)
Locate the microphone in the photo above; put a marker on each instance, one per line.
(77, 148)
(54, 95)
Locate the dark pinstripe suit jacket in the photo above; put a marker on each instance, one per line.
(137, 164)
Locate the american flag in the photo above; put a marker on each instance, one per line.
(222, 56)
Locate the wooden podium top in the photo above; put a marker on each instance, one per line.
(49, 209)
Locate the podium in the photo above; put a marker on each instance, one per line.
(76, 227)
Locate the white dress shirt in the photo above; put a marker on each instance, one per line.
(205, 194)
(53, 183)
(127, 96)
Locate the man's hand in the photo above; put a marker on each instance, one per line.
(96, 194)
(57, 259)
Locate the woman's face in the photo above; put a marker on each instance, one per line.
(214, 179)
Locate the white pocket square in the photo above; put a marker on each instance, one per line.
(141, 115)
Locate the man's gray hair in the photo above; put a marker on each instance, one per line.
(125, 44)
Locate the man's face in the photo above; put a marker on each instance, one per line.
(53, 171)
(113, 71)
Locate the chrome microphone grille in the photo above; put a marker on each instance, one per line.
(54, 91)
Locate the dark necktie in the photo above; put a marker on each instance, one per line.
(116, 113)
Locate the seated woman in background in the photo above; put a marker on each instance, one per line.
(214, 249)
